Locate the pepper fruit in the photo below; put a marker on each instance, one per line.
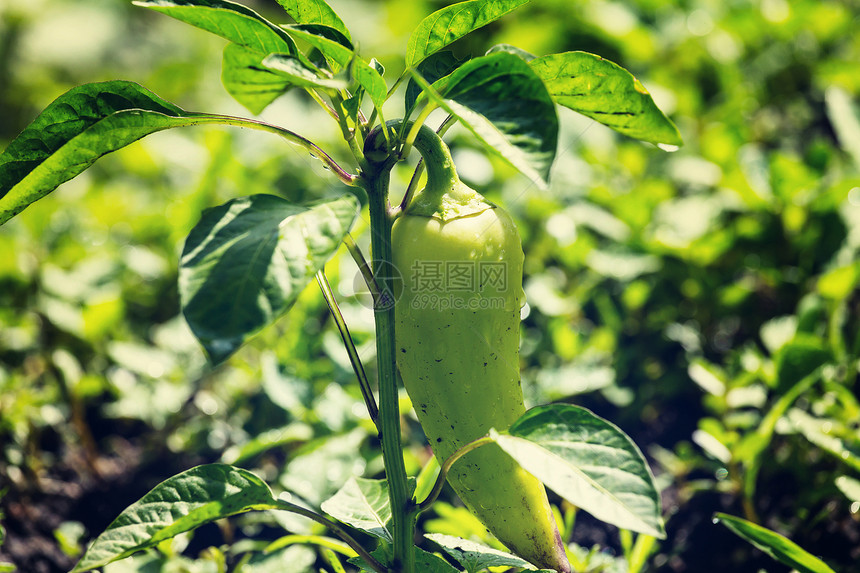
(457, 342)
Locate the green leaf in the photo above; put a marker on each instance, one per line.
(245, 263)
(230, 20)
(607, 93)
(474, 556)
(506, 106)
(424, 562)
(301, 75)
(589, 462)
(522, 54)
(433, 68)
(77, 128)
(363, 504)
(798, 358)
(314, 12)
(320, 37)
(452, 23)
(820, 432)
(181, 503)
(780, 548)
(248, 81)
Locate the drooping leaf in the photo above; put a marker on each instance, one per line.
(452, 23)
(314, 12)
(342, 56)
(474, 556)
(245, 263)
(230, 20)
(506, 106)
(252, 38)
(363, 504)
(780, 548)
(77, 128)
(248, 81)
(299, 74)
(607, 93)
(431, 69)
(589, 462)
(181, 503)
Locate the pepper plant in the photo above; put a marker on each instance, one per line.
(246, 261)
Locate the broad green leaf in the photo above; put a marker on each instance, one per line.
(181, 503)
(433, 68)
(314, 12)
(452, 23)
(245, 78)
(301, 75)
(589, 462)
(363, 504)
(320, 37)
(780, 548)
(474, 556)
(230, 20)
(77, 128)
(607, 93)
(506, 106)
(246, 262)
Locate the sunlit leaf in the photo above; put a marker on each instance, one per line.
(453, 22)
(248, 81)
(506, 106)
(363, 504)
(589, 462)
(245, 263)
(780, 548)
(474, 556)
(431, 69)
(605, 92)
(336, 52)
(181, 503)
(299, 74)
(77, 128)
(314, 12)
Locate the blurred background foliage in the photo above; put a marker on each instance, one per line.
(705, 300)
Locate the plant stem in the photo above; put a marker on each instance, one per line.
(355, 360)
(402, 506)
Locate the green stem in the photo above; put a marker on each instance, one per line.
(446, 467)
(419, 169)
(402, 506)
(355, 360)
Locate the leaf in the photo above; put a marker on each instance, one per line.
(77, 128)
(230, 20)
(320, 38)
(780, 548)
(798, 358)
(820, 432)
(522, 54)
(589, 462)
(181, 503)
(474, 556)
(253, 38)
(607, 93)
(363, 504)
(453, 22)
(844, 116)
(248, 81)
(245, 263)
(506, 106)
(301, 75)
(424, 562)
(314, 12)
(433, 68)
